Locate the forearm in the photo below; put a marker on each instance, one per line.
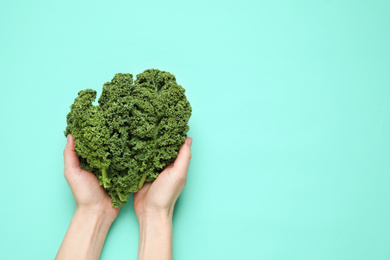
(85, 236)
(155, 237)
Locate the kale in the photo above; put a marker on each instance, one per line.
(133, 134)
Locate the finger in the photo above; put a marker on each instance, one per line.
(183, 159)
(70, 158)
(141, 192)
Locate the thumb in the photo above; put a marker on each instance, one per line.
(183, 159)
(70, 158)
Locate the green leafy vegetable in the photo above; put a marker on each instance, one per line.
(134, 133)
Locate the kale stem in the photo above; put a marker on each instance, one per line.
(141, 183)
(122, 197)
(105, 178)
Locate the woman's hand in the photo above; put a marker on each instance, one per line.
(159, 197)
(94, 212)
(89, 195)
(154, 205)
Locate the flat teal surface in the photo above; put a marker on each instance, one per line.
(291, 122)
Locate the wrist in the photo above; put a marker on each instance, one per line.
(100, 216)
(152, 216)
(85, 236)
(155, 236)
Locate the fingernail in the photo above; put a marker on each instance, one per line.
(189, 141)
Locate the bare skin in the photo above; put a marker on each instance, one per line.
(154, 205)
(94, 213)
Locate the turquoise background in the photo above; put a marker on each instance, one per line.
(290, 122)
